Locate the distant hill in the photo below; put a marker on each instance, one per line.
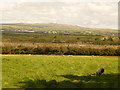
(53, 28)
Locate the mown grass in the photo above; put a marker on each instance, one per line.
(58, 72)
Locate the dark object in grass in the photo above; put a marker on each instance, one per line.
(100, 71)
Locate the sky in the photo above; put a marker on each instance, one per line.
(84, 13)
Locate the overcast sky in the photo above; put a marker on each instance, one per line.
(85, 13)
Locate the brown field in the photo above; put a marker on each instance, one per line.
(59, 45)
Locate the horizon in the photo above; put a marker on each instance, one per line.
(58, 23)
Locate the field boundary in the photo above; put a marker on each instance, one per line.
(55, 55)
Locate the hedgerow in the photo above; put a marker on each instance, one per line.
(60, 51)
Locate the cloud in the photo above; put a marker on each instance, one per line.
(90, 14)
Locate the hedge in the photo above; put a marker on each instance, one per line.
(60, 51)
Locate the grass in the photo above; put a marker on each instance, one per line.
(58, 71)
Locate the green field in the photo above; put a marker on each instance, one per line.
(30, 71)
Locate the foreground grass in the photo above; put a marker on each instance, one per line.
(58, 72)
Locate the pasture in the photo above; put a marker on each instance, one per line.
(42, 71)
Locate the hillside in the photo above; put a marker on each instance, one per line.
(60, 29)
